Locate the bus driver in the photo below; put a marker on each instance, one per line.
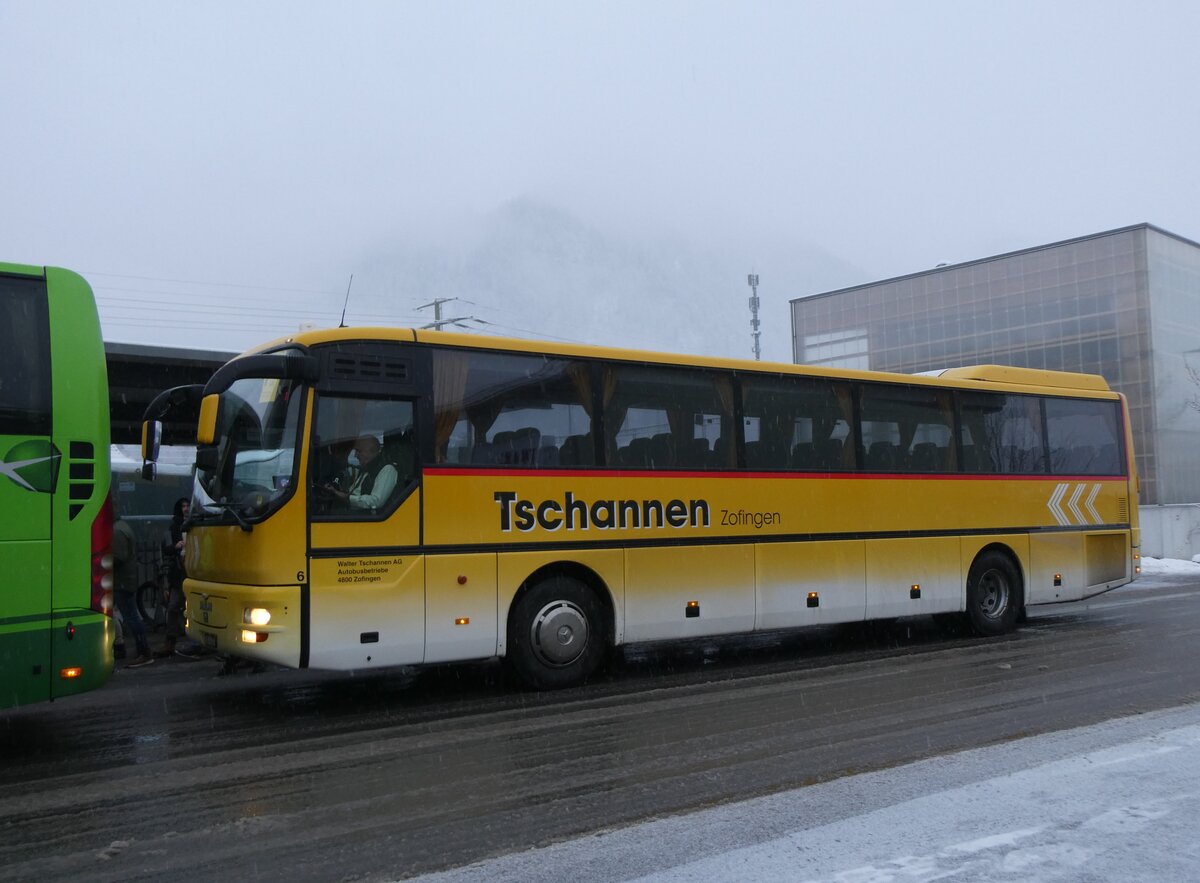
(374, 482)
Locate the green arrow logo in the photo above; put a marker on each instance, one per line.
(32, 465)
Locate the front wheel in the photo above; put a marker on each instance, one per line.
(557, 633)
(994, 594)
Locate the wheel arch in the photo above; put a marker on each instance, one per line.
(577, 571)
(981, 609)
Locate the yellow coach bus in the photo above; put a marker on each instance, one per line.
(375, 497)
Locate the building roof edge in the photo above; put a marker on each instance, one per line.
(997, 257)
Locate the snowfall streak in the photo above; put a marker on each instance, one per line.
(575, 514)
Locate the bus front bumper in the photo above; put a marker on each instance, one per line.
(261, 623)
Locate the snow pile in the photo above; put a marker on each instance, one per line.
(1171, 566)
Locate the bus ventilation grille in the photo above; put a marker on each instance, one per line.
(81, 476)
(367, 368)
(1122, 509)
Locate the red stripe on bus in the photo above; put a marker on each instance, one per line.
(620, 473)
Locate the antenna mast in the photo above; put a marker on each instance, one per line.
(346, 303)
(752, 279)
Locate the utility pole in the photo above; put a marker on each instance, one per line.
(752, 279)
(438, 322)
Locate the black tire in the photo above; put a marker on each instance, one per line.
(557, 634)
(995, 596)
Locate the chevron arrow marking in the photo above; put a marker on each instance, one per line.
(1073, 505)
(1055, 500)
(1090, 504)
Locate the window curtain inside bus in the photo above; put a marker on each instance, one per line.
(908, 431)
(945, 403)
(614, 411)
(483, 414)
(449, 386)
(580, 375)
(845, 402)
(724, 387)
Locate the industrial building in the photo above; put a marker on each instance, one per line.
(1124, 303)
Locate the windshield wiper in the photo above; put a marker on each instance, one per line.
(231, 508)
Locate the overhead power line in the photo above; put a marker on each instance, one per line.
(213, 311)
(243, 285)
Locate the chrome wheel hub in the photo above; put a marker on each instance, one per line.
(559, 633)
(993, 594)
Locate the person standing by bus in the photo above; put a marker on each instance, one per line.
(173, 541)
(125, 584)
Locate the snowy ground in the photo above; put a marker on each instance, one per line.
(1115, 801)
(1153, 566)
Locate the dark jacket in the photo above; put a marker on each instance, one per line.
(124, 550)
(172, 555)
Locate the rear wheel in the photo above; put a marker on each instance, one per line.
(557, 633)
(994, 594)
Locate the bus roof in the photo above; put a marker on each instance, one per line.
(1026, 377)
(1031, 379)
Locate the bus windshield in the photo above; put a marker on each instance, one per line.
(257, 434)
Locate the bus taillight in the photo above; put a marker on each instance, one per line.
(102, 560)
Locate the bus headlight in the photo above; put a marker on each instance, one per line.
(249, 637)
(257, 616)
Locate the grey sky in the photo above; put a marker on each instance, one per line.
(286, 146)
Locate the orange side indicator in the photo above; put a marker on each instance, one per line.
(71, 673)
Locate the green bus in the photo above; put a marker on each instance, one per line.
(56, 517)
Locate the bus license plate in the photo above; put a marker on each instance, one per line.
(210, 640)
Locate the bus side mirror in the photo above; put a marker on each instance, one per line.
(206, 458)
(148, 470)
(206, 429)
(151, 440)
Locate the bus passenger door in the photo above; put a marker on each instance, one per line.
(366, 606)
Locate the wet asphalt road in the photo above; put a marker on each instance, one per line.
(175, 770)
